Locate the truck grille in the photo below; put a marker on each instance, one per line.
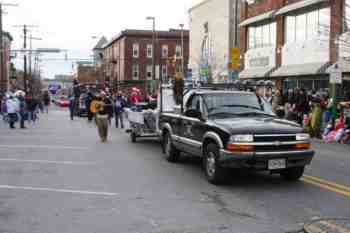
(275, 148)
(275, 138)
(273, 142)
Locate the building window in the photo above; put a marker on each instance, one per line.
(346, 17)
(178, 51)
(165, 51)
(206, 28)
(135, 72)
(164, 72)
(149, 71)
(262, 35)
(178, 68)
(307, 26)
(135, 50)
(149, 51)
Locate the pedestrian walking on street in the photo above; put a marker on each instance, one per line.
(12, 109)
(120, 104)
(88, 102)
(31, 107)
(22, 108)
(100, 106)
(109, 107)
(46, 101)
(71, 106)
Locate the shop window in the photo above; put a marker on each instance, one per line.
(307, 26)
(262, 35)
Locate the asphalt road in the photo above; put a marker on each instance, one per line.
(57, 177)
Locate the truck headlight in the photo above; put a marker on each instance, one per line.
(303, 137)
(242, 138)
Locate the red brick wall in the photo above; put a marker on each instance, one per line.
(123, 55)
(143, 60)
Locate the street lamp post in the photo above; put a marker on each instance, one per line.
(153, 45)
(182, 50)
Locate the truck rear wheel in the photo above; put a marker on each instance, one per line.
(293, 174)
(214, 172)
(170, 152)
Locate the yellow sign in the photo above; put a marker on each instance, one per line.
(235, 58)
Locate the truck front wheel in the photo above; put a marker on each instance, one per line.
(171, 153)
(293, 174)
(213, 171)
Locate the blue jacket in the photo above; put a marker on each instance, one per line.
(119, 104)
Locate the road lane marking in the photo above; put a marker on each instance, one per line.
(46, 162)
(329, 183)
(331, 186)
(43, 147)
(9, 187)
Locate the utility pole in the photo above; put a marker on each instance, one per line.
(25, 72)
(3, 78)
(31, 38)
(25, 59)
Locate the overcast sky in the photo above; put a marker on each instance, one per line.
(70, 24)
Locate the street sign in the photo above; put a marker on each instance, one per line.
(235, 58)
(335, 77)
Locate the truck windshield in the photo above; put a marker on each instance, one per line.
(228, 104)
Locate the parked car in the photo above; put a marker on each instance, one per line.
(63, 102)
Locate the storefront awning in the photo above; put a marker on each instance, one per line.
(258, 18)
(299, 70)
(344, 66)
(297, 6)
(255, 73)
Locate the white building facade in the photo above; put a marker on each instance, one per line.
(211, 38)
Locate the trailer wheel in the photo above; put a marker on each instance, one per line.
(133, 137)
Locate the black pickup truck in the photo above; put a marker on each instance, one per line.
(234, 129)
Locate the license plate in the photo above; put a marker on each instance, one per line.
(275, 164)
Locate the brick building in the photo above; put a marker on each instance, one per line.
(293, 41)
(4, 74)
(128, 58)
